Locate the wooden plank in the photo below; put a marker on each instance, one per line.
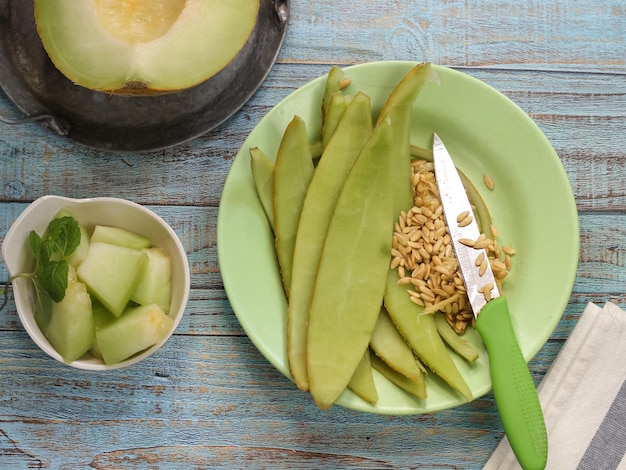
(520, 34)
(209, 398)
(196, 227)
(580, 113)
(197, 389)
(602, 266)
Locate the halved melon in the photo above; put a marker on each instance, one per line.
(150, 45)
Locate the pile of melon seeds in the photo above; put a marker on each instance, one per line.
(423, 254)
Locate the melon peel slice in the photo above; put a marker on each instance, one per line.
(178, 46)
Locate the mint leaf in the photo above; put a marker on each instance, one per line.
(53, 278)
(43, 305)
(61, 238)
(34, 240)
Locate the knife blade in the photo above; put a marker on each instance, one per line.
(516, 397)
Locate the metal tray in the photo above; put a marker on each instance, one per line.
(129, 123)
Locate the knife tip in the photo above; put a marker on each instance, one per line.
(437, 142)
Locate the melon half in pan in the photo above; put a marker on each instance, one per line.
(143, 45)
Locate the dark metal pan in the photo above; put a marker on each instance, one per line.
(127, 123)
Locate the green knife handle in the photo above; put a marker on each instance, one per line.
(513, 387)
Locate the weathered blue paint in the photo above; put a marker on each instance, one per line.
(209, 398)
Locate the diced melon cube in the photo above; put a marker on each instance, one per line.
(112, 273)
(155, 286)
(71, 329)
(119, 236)
(101, 318)
(95, 350)
(80, 253)
(135, 330)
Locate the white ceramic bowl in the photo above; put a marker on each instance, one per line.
(104, 211)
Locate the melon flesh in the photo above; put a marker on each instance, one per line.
(101, 318)
(155, 45)
(112, 274)
(71, 327)
(119, 236)
(155, 286)
(136, 330)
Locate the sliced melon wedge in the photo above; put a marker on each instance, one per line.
(148, 45)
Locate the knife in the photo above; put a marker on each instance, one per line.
(513, 387)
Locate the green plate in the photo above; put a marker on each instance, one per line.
(532, 206)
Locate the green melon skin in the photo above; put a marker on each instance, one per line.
(135, 330)
(71, 328)
(155, 286)
(119, 236)
(112, 274)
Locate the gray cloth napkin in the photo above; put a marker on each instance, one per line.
(583, 397)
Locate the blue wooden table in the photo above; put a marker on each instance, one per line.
(209, 398)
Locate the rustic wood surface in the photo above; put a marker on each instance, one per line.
(209, 398)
